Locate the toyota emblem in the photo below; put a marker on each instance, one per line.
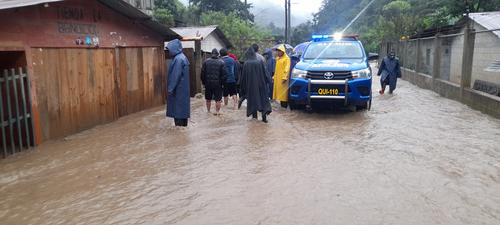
(328, 75)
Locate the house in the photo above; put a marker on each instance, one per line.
(211, 37)
(88, 62)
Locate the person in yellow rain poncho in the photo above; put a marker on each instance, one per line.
(281, 75)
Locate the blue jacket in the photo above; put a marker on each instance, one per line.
(231, 69)
(178, 99)
(270, 62)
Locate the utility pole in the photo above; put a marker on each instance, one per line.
(289, 22)
(288, 18)
(286, 21)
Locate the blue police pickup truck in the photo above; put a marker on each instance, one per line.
(333, 70)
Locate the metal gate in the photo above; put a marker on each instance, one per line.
(15, 112)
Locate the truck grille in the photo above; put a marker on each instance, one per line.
(337, 75)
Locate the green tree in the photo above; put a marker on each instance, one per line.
(169, 12)
(302, 33)
(236, 7)
(164, 16)
(241, 33)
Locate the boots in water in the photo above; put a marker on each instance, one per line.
(264, 117)
(254, 116)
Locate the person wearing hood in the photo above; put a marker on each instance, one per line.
(213, 77)
(389, 71)
(281, 75)
(270, 66)
(178, 99)
(254, 86)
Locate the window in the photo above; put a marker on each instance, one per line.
(333, 50)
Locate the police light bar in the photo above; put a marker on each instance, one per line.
(337, 36)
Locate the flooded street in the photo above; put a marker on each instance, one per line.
(416, 158)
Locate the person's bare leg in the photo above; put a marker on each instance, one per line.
(235, 101)
(226, 100)
(217, 107)
(209, 105)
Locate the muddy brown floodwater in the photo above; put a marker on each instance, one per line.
(416, 158)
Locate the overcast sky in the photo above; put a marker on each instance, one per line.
(302, 10)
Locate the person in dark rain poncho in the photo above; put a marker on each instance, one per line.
(255, 86)
(389, 71)
(178, 99)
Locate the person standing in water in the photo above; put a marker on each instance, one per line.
(254, 86)
(281, 75)
(178, 99)
(230, 85)
(213, 77)
(389, 71)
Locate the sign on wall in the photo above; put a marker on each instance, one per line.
(80, 22)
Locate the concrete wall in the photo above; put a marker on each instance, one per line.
(483, 102)
(456, 59)
(426, 56)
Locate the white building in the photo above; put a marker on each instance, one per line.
(211, 37)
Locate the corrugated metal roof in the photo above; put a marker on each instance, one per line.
(193, 32)
(9, 4)
(119, 6)
(489, 20)
(203, 32)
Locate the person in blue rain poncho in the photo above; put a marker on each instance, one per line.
(178, 99)
(270, 66)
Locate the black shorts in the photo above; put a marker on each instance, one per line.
(213, 93)
(230, 89)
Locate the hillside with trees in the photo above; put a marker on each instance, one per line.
(392, 19)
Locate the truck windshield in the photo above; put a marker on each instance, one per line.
(334, 50)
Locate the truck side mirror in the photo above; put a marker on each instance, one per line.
(372, 56)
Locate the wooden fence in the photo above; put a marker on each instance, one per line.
(15, 112)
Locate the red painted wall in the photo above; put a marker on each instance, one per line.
(62, 23)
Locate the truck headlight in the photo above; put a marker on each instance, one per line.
(296, 73)
(364, 73)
